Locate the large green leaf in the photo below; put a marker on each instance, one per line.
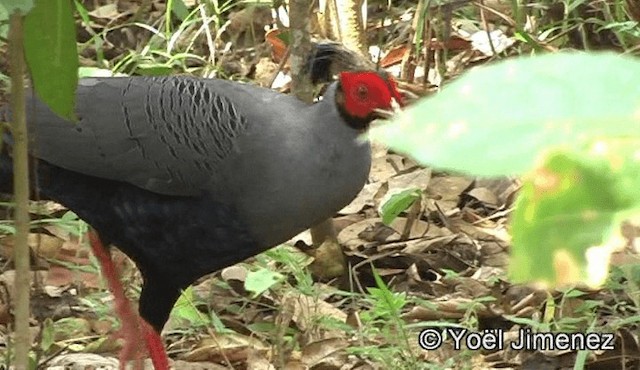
(51, 53)
(497, 119)
(569, 210)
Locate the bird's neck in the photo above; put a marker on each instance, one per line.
(316, 167)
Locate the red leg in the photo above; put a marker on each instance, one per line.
(134, 327)
(155, 346)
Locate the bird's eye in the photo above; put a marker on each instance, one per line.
(362, 92)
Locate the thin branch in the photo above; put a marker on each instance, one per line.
(22, 282)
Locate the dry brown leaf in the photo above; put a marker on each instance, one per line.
(7, 280)
(484, 195)
(430, 242)
(258, 361)
(265, 72)
(379, 232)
(305, 310)
(5, 307)
(418, 229)
(185, 365)
(326, 352)
(82, 361)
(419, 178)
(448, 307)
(504, 188)
(363, 199)
(381, 170)
(446, 190)
(108, 11)
(232, 346)
(43, 245)
(295, 364)
(235, 272)
(349, 237)
(102, 326)
(61, 276)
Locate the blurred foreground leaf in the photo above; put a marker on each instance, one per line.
(51, 53)
(497, 119)
(571, 120)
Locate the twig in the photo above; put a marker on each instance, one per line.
(22, 282)
(283, 61)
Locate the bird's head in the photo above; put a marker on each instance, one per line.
(361, 97)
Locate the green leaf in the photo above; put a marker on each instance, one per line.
(51, 53)
(70, 327)
(497, 119)
(260, 281)
(7, 229)
(398, 203)
(179, 8)
(185, 309)
(154, 70)
(96, 72)
(387, 303)
(69, 216)
(285, 36)
(569, 210)
(22, 6)
(47, 334)
(4, 22)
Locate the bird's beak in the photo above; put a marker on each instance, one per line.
(383, 113)
(387, 114)
(396, 105)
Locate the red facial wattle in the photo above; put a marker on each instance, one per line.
(379, 92)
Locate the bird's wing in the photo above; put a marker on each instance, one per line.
(165, 134)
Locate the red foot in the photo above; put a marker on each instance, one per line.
(134, 328)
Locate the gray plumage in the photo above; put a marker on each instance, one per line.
(282, 164)
(189, 175)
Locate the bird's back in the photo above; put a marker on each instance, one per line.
(163, 134)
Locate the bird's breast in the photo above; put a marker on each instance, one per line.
(285, 182)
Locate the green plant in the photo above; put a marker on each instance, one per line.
(577, 131)
(383, 322)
